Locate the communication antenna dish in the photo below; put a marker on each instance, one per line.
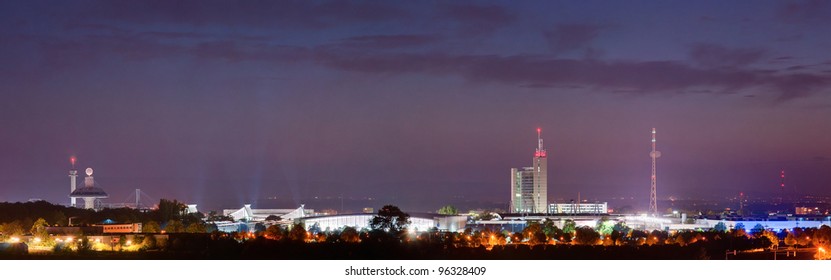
(89, 171)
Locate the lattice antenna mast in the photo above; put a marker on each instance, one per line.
(653, 194)
(782, 184)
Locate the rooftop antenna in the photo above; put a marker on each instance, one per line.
(653, 194)
(540, 151)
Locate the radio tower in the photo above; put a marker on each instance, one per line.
(782, 185)
(72, 175)
(653, 194)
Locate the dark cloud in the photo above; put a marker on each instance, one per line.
(800, 85)
(569, 37)
(160, 35)
(234, 51)
(95, 27)
(388, 41)
(642, 77)
(809, 11)
(645, 77)
(252, 14)
(477, 20)
(710, 55)
(108, 29)
(790, 37)
(537, 86)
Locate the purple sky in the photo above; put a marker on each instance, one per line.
(413, 103)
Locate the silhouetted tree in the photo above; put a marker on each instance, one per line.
(802, 237)
(58, 218)
(259, 227)
(720, 227)
(39, 228)
(550, 230)
(622, 228)
(569, 226)
(349, 235)
(448, 210)
(196, 227)
(604, 226)
(275, 232)
(149, 242)
(170, 210)
(586, 236)
(174, 226)
(13, 228)
(771, 236)
(297, 233)
(655, 237)
(314, 228)
(757, 230)
(213, 216)
(151, 227)
(790, 239)
(822, 237)
(533, 233)
(485, 216)
(390, 218)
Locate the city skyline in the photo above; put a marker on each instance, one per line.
(223, 104)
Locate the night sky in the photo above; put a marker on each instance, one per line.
(413, 103)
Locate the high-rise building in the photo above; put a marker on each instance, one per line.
(529, 185)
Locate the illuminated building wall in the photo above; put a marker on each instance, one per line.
(420, 222)
(578, 208)
(122, 228)
(522, 190)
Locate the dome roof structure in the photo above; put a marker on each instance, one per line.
(89, 192)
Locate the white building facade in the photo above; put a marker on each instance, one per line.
(578, 208)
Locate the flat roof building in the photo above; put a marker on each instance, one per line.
(419, 221)
(578, 208)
